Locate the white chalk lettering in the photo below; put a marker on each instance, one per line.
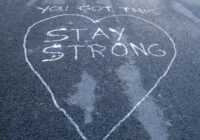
(43, 9)
(78, 33)
(138, 10)
(56, 8)
(119, 45)
(145, 11)
(51, 33)
(108, 8)
(84, 8)
(75, 50)
(96, 8)
(55, 55)
(103, 48)
(163, 53)
(100, 8)
(100, 32)
(142, 49)
(124, 8)
(119, 33)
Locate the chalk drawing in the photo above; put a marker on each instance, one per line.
(96, 22)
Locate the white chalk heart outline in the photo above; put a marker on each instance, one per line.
(97, 21)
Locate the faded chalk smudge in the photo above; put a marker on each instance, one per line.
(148, 112)
(183, 10)
(58, 2)
(192, 2)
(85, 96)
(31, 3)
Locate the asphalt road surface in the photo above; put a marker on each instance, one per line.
(100, 70)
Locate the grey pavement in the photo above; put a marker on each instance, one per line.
(100, 70)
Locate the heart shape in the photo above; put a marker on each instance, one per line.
(99, 33)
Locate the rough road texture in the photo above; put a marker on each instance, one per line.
(99, 88)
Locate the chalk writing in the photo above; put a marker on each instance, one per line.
(99, 51)
(98, 48)
(95, 9)
(119, 33)
(51, 33)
